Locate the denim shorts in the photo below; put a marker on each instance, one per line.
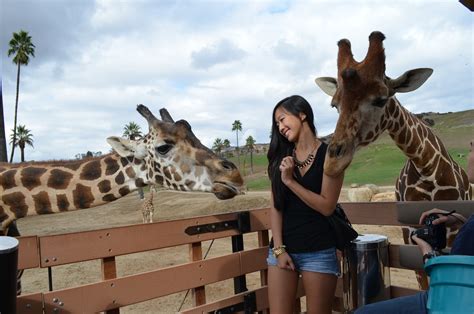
(324, 261)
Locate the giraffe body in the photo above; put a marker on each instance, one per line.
(169, 155)
(470, 163)
(365, 99)
(147, 207)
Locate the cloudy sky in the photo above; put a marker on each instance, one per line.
(213, 62)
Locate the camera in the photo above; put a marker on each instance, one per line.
(435, 235)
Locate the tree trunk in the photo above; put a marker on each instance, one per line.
(3, 141)
(22, 151)
(237, 148)
(251, 162)
(16, 112)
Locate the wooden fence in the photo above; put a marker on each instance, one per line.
(113, 292)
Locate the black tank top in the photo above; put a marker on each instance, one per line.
(305, 229)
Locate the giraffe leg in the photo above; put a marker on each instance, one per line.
(421, 277)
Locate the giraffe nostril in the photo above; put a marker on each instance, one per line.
(337, 150)
(228, 165)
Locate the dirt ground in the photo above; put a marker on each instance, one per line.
(168, 205)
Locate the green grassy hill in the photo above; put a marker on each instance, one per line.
(380, 162)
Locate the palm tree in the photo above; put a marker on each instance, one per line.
(237, 126)
(3, 141)
(250, 145)
(23, 138)
(218, 146)
(22, 48)
(132, 131)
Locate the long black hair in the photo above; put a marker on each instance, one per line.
(280, 147)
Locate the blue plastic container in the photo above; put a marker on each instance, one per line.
(451, 284)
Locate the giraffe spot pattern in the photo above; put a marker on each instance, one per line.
(111, 166)
(167, 172)
(91, 171)
(190, 184)
(130, 172)
(17, 204)
(59, 179)
(3, 215)
(7, 179)
(109, 198)
(159, 179)
(120, 178)
(139, 183)
(104, 186)
(124, 190)
(63, 203)
(30, 177)
(82, 196)
(42, 203)
(124, 161)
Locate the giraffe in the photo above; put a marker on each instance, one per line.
(170, 155)
(147, 207)
(365, 99)
(470, 163)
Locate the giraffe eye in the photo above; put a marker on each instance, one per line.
(164, 149)
(379, 102)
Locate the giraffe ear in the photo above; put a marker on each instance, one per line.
(410, 80)
(127, 148)
(327, 84)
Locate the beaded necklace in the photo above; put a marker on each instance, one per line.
(304, 163)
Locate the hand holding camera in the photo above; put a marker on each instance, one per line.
(433, 234)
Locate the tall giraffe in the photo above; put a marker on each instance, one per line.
(365, 99)
(170, 155)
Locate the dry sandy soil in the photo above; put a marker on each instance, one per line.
(168, 205)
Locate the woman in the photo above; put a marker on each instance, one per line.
(302, 197)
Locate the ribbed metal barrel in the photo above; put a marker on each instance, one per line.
(366, 273)
(8, 273)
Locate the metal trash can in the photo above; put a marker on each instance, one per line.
(366, 273)
(8, 273)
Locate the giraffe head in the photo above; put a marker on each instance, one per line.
(171, 155)
(364, 97)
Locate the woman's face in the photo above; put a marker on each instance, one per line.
(289, 125)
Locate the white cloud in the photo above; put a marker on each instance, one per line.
(213, 62)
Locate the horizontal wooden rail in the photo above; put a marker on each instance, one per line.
(127, 290)
(75, 247)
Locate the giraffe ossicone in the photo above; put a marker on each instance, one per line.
(170, 155)
(365, 99)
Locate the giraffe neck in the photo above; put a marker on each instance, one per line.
(415, 139)
(43, 188)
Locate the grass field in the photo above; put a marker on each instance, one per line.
(380, 162)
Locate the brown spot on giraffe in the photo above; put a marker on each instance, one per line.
(82, 196)
(124, 190)
(130, 172)
(63, 203)
(104, 186)
(31, 177)
(7, 179)
(16, 202)
(167, 172)
(177, 177)
(91, 171)
(59, 179)
(112, 166)
(42, 203)
(120, 178)
(109, 198)
(139, 183)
